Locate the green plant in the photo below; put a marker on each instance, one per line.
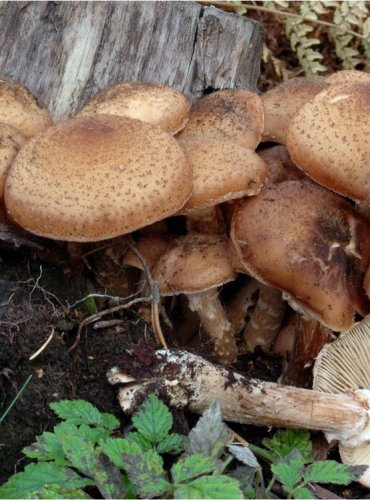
(83, 453)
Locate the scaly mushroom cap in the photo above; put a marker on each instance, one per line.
(10, 143)
(149, 102)
(348, 76)
(308, 242)
(97, 177)
(280, 167)
(329, 139)
(343, 366)
(222, 171)
(19, 109)
(282, 102)
(228, 115)
(196, 262)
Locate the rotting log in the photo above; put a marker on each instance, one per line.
(64, 52)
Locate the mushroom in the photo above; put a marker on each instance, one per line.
(348, 76)
(227, 115)
(222, 171)
(97, 177)
(279, 165)
(344, 416)
(19, 109)
(150, 102)
(197, 265)
(10, 143)
(281, 103)
(328, 139)
(309, 243)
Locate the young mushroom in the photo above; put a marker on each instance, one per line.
(10, 143)
(344, 416)
(93, 178)
(149, 102)
(309, 243)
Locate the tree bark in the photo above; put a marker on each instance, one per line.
(64, 52)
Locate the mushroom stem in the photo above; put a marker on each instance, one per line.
(345, 417)
(264, 324)
(207, 220)
(239, 305)
(215, 323)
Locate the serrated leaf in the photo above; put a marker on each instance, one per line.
(285, 441)
(210, 435)
(146, 472)
(173, 443)
(108, 478)
(327, 471)
(244, 454)
(83, 412)
(192, 467)
(289, 470)
(37, 476)
(115, 448)
(303, 493)
(46, 447)
(216, 487)
(94, 434)
(139, 439)
(154, 420)
(77, 447)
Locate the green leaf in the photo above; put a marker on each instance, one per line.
(136, 437)
(146, 472)
(173, 443)
(46, 447)
(285, 441)
(55, 492)
(35, 477)
(115, 448)
(108, 478)
(210, 435)
(154, 420)
(210, 487)
(244, 454)
(289, 470)
(83, 412)
(327, 471)
(192, 467)
(94, 434)
(77, 447)
(302, 493)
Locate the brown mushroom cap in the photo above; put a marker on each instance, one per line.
(282, 102)
(308, 242)
(348, 76)
(228, 115)
(280, 167)
(19, 109)
(196, 262)
(10, 143)
(329, 139)
(97, 177)
(149, 102)
(222, 171)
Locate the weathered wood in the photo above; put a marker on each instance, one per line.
(64, 52)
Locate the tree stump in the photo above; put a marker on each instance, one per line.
(64, 52)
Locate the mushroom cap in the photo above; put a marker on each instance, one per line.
(228, 115)
(10, 143)
(222, 171)
(149, 102)
(96, 177)
(329, 139)
(308, 242)
(282, 102)
(348, 76)
(195, 263)
(19, 108)
(343, 366)
(150, 247)
(280, 167)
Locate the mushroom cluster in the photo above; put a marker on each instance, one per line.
(254, 208)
